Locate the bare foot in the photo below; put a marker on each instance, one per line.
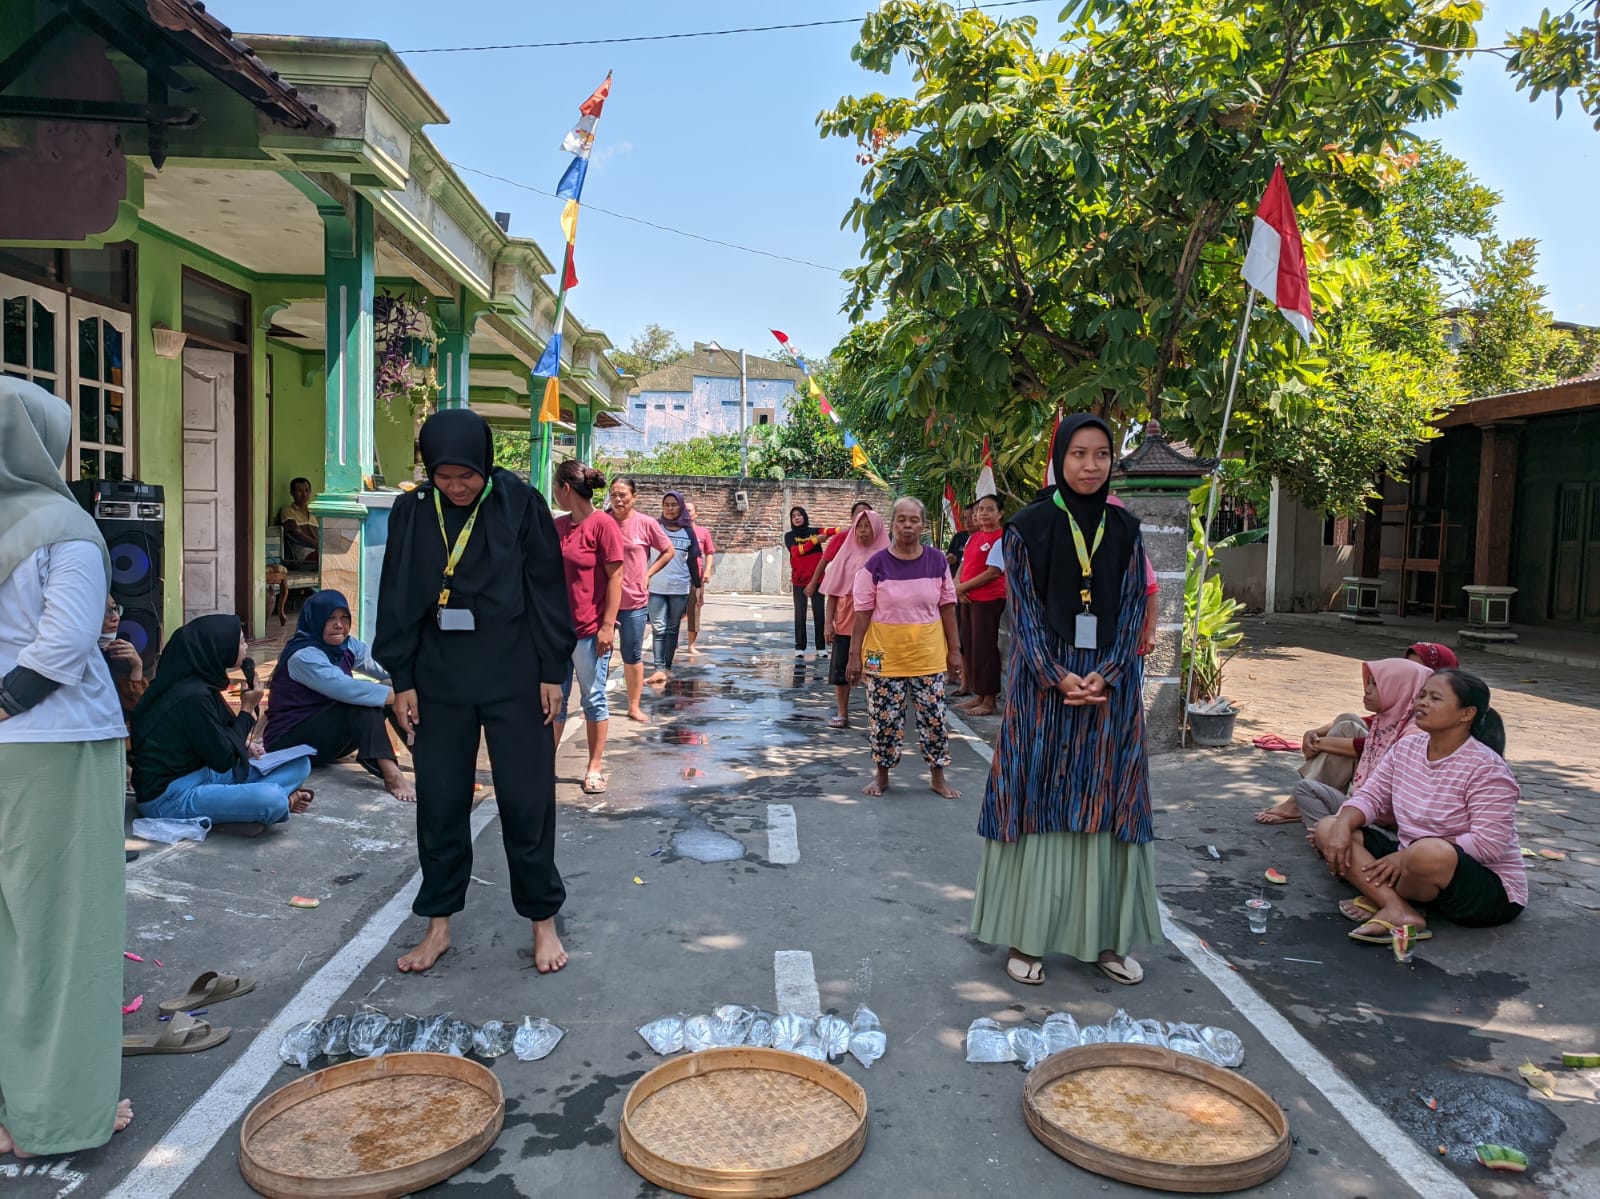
(639, 715)
(396, 783)
(692, 652)
(430, 949)
(938, 785)
(657, 679)
(300, 799)
(1395, 914)
(878, 785)
(548, 953)
(986, 709)
(123, 1118)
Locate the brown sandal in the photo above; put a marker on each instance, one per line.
(208, 989)
(184, 1034)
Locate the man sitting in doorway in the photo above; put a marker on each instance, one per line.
(300, 530)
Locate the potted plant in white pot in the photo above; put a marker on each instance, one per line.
(1207, 637)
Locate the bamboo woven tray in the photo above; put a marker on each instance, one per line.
(371, 1129)
(1147, 1115)
(754, 1123)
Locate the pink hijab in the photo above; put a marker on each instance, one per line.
(841, 576)
(1398, 680)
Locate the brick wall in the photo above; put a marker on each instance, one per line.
(763, 524)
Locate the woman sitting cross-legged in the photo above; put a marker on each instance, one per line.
(191, 754)
(318, 701)
(1454, 801)
(1344, 753)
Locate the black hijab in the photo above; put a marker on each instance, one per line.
(1052, 556)
(510, 576)
(803, 531)
(193, 670)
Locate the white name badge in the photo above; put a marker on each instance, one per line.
(1086, 632)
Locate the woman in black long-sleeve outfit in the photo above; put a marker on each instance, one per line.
(472, 617)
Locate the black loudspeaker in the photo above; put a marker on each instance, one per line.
(132, 519)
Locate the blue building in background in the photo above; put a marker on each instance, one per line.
(698, 395)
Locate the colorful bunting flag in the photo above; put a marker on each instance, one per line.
(952, 508)
(578, 142)
(858, 456)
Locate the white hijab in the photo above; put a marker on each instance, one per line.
(36, 507)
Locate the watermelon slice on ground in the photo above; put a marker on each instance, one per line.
(1277, 876)
(1499, 1157)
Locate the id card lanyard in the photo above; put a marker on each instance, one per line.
(1086, 631)
(460, 547)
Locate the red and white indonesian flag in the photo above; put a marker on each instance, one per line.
(985, 475)
(1275, 264)
(952, 508)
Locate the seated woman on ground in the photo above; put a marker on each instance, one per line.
(318, 701)
(1344, 752)
(1454, 802)
(192, 756)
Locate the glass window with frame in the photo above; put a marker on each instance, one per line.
(101, 375)
(31, 345)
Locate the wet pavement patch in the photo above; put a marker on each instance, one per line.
(581, 1118)
(703, 843)
(1472, 1110)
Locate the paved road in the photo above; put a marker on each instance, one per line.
(878, 893)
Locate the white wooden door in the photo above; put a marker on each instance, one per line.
(209, 534)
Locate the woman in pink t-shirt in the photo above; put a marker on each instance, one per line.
(591, 555)
(1453, 802)
(640, 535)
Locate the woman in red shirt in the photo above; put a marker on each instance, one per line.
(591, 554)
(805, 546)
(980, 602)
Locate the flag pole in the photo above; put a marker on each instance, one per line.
(1211, 514)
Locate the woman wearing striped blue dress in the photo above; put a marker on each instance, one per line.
(1068, 865)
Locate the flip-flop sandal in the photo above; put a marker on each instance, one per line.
(1127, 971)
(184, 1034)
(594, 784)
(1031, 973)
(1360, 909)
(1270, 817)
(208, 989)
(1384, 938)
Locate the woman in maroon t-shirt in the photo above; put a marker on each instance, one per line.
(591, 554)
(980, 602)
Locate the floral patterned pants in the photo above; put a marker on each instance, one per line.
(886, 716)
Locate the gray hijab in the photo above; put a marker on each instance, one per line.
(36, 508)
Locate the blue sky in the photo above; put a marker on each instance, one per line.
(717, 136)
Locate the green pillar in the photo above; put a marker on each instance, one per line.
(455, 350)
(586, 433)
(348, 267)
(542, 439)
(348, 372)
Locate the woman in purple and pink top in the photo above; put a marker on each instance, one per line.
(640, 535)
(903, 642)
(1454, 801)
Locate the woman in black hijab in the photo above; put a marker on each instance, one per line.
(1067, 862)
(192, 755)
(805, 545)
(474, 629)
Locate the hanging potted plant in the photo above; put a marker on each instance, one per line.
(1209, 631)
(405, 379)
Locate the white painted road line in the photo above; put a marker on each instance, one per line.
(1426, 1175)
(795, 982)
(186, 1144)
(783, 835)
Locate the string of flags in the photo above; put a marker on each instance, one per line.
(858, 456)
(579, 142)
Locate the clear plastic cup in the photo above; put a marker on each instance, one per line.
(1257, 910)
(1402, 942)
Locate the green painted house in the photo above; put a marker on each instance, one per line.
(195, 231)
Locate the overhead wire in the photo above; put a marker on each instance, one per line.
(622, 216)
(667, 37)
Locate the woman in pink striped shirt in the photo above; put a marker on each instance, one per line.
(1454, 802)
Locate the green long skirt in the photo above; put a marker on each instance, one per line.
(1074, 893)
(62, 927)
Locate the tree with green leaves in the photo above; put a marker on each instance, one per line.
(651, 350)
(1508, 338)
(1558, 53)
(711, 454)
(1063, 227)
